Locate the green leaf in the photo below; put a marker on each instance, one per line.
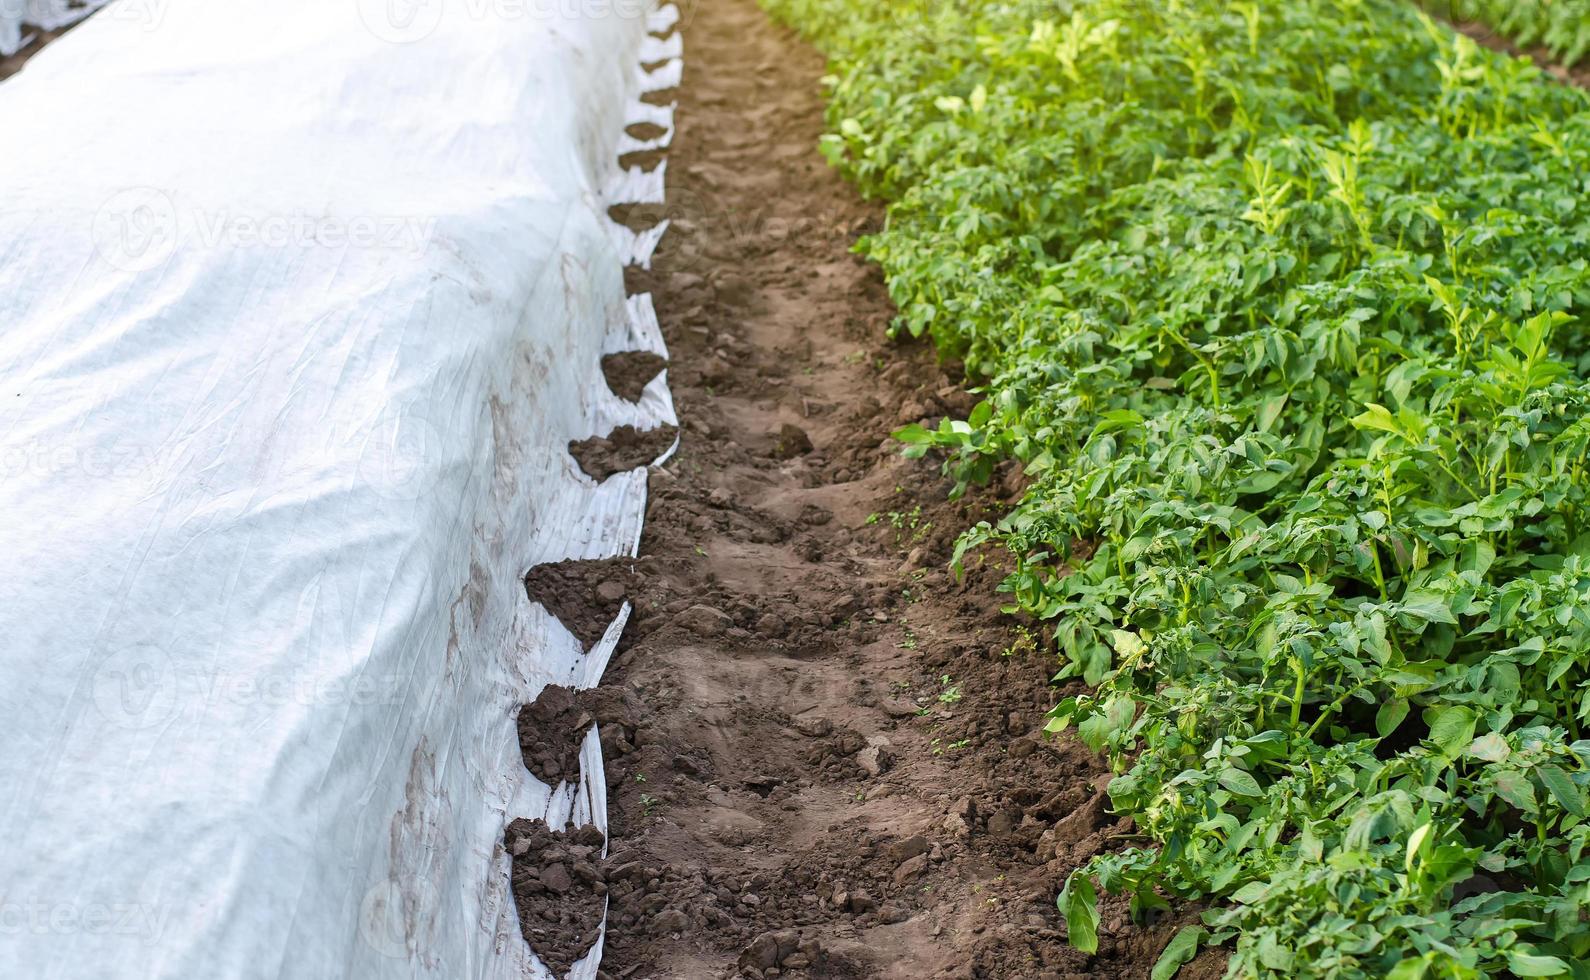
(1240, 782)
(1427, 606)
(1562, 789)
(1272, 954)
(1451, 728)
(1095, 731)
(1410, 969)
(912, 434)
(1080, 903)
(1181, 949)
(1390, 716)
(1376, 419)
(1532, 965)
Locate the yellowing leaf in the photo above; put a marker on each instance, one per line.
(1415, 842)
(1517, 790)
(1490, 747)
(1126, 643)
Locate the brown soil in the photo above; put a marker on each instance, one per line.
(645, 130)
(639, 217)
(630, 372)
(559, 889)
(824, 752)
(551, 730)
(585, 596)
(625, 448)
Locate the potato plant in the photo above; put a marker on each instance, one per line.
(1282, 306)
(1561, 27)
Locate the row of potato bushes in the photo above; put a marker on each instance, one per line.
(1280, 305)
(1560, 27)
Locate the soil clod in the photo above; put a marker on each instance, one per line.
(585, 596)
(638, 217)
(625, 448)
(559, 887)
(645, 130)
(551, 731)
(630, 372)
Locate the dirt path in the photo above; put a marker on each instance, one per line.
(823, 752)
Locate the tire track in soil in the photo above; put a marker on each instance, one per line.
(824, 754)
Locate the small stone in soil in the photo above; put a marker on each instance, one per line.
(813, 727)
(791, 441)
(873, 760)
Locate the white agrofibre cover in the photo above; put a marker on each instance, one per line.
(301, 303)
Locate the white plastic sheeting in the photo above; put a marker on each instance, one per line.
(300, 305)
(18, 15)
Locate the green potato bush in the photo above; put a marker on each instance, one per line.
(1282, 308)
